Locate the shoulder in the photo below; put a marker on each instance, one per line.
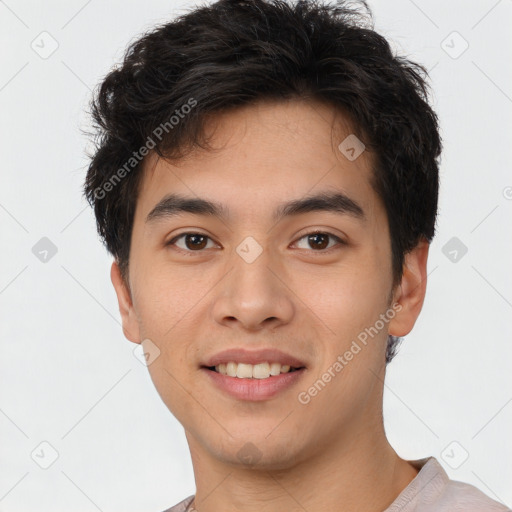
(433, 491)
(460, 496)
(181, 506)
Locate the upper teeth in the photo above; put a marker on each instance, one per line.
(248, 371)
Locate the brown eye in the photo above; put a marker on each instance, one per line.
(319, 240)
(193, 242)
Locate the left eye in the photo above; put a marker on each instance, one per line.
(320, 240)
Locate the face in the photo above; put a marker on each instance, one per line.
(308, 283)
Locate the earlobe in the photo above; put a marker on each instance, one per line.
(410, 294)
(128, 317)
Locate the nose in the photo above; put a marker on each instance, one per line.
(254, 295)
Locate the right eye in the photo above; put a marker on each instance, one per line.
(192, 242)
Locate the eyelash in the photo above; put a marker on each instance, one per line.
(318, 232)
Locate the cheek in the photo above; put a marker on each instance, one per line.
(166, 304)
(348, 299)
(164, 298)
(351, 353)
(171, 312)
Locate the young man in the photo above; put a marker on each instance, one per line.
(266, 177)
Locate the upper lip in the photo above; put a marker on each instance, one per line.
(242, 355)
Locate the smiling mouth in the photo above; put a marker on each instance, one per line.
(263, 370)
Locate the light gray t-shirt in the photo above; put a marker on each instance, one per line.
(430, 491)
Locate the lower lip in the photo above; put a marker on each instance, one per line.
(254, 389)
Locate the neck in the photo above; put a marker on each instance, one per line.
(365, 474)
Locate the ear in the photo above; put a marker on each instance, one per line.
(410, 293)
(129, 319)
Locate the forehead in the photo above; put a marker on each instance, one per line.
(264, 154)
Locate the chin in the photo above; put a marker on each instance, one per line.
(257, 449)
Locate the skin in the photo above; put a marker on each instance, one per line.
(332, 451)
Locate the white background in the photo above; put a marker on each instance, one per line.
(68, 376)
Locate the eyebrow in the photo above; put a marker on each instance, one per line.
(336, 202)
